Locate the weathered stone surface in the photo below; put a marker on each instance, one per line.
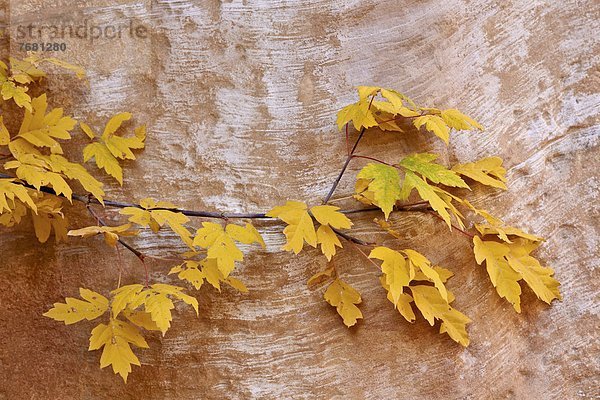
(240, 100)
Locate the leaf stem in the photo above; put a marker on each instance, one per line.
(135, 251)
(348, 158)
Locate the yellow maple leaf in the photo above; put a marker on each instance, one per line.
(459, 121)
(328, 240)
(502, 276)
(110, 147)
(359, 113)
(110, 233)
(123, 296)
(14, 216)
(153, 214)
(74, 310)
(384, 183)
(49, 216)
(300, 226)
(116, 337)
(220, 246)
(330, 218)
(41, 129)
(141, 319)
(488, 171)
(156, 301)
(402, 303)
(35, 172)
(104, 160)
(9, 191)
(330, 215)
(426, 192)
(435, 125)
(196, 272)
(420, 262)
(432, 306)
(503, 232)
(236, 284)
(344, 298)
(395, 269)
(245, 234)
(77, 172)
(538, 278)
(189, 271)
(18, 93)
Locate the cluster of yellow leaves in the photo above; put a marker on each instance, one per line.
(130, 307)
(108, 148)
(38, 131)
(156, 214)
(510, 261)
(222, 252)
(46, 211)
(385, 113)
(220, 244)
(196, 272)
(300, 226)
(18, 74)
(402, 270)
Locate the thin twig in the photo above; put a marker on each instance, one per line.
(348, 158)
(120, 260)
(135, 251)
(372, 159)
(365, 255)
(352, 238)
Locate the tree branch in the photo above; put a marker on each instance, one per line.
(86, 199)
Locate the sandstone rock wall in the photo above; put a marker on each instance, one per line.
(240, 100)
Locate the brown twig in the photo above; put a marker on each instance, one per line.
(348, 159)
(132, 249)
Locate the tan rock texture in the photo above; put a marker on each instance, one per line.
(240, 100)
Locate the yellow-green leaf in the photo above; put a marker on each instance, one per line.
(384, 183)
(423, 164)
